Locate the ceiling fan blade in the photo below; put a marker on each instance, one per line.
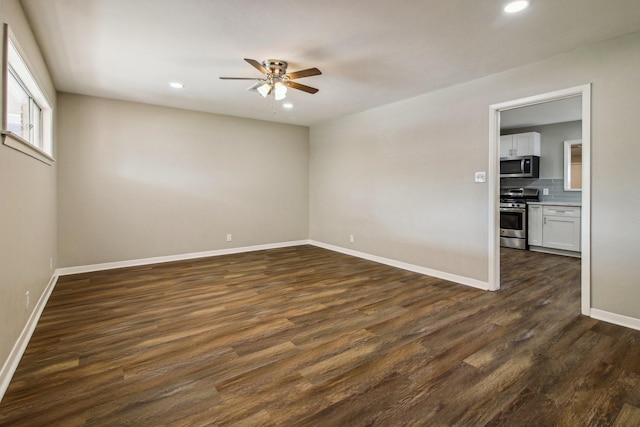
(240, 78)
(304, 88)
(257, 65)
(304, 73)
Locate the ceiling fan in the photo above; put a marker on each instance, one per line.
(276, 79)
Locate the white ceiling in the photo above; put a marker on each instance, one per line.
(371, 52)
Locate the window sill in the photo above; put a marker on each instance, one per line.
(12, 140)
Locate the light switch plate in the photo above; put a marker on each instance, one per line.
(481, 177)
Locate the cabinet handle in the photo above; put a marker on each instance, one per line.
(545, 220)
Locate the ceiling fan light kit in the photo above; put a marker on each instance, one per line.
(264, 89)
(280, 91)
(276, 80)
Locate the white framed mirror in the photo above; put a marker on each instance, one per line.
(573, 165)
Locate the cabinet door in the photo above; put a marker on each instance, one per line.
(534, 231)
(506, 146)
(526, 144)
(520, 144)
(561, 232)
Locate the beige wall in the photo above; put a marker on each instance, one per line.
(27, 208)
(400, 177)
(139, 181)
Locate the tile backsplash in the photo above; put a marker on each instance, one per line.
(555, 186)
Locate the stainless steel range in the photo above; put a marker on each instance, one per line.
(513, 216)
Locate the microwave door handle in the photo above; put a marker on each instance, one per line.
(522, 165)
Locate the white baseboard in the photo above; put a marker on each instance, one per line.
(181, 257)
(616, 319)
(405, 266)
(194, 255)
(11, 364)
(555, 251)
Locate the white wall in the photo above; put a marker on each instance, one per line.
(139, 181)
(400, 177)
(27, 208)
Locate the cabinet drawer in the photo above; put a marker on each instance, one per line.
(572, 211)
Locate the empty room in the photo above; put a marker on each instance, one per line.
(338, 213)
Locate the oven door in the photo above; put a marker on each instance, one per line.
(513, 222)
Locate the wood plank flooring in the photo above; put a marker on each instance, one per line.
(308, 337)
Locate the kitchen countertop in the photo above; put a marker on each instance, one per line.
(556, 203)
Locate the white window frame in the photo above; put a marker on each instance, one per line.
(39, 143)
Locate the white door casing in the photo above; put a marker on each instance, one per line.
(494, 187)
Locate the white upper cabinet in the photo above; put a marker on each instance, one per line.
(520, 144)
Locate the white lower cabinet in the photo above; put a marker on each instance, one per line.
(554, 227)
(535, 225)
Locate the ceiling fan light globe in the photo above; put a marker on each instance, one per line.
(281, 91)
(264, 89)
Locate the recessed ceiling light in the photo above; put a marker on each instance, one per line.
(287, 105)
(176, 85)
(516, 6)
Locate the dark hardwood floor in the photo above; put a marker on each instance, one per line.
(304, 336)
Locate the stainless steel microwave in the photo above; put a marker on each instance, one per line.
(520, 167)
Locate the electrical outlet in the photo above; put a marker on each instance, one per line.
(229, 237)
(545, 191)
(481, 177)
(351, 238)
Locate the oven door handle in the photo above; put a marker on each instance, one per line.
(512, 210)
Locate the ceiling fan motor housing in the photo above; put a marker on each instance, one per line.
(276, 67)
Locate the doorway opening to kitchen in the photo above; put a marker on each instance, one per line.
(511, 118)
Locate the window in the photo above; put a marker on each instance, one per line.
(23, 112)
(28, 114)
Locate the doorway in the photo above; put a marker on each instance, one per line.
(495, 111)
